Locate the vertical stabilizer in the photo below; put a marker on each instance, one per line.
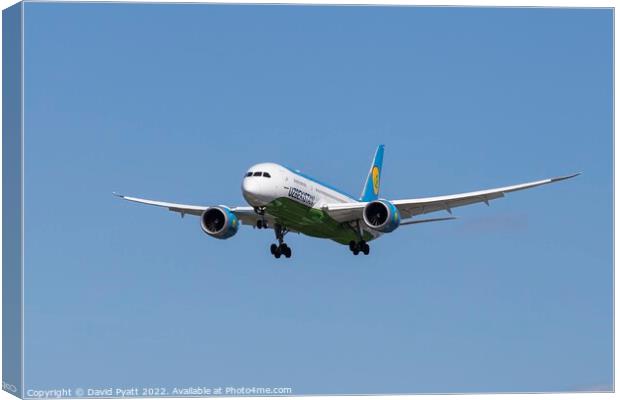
(371, 187)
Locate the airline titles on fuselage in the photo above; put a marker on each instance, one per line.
(301, 196)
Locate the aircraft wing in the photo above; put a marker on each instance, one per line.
(408, 208)
(246, 215)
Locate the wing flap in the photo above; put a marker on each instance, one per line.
(410, 208)
(423, 221)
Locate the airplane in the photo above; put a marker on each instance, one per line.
(288, 200)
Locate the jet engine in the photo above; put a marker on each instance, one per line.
(219, 222)
(381, 215)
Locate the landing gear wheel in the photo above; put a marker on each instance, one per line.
(281, 248)
(357, 247)
(279, 251)
(285, 250)
(259, 224)
(365, 248)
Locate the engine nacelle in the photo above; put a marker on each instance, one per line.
(219, 222)
(381, 215)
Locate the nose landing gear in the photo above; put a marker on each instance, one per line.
(259, 210)
(356, 247)
(280, 249)
(262, 222)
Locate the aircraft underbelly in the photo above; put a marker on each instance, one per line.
(310, 221)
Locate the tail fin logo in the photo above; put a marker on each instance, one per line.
(370, 191)
(375, 180)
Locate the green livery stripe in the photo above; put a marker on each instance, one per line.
(311, 221)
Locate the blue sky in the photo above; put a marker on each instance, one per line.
(174, 102)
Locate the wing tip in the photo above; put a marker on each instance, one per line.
(562, 178)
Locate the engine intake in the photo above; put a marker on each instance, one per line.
(381, 215)
(219, 222)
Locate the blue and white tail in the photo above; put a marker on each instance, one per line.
(371, 187)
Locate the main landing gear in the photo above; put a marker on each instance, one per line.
(280, 249)
(356, 247)
(361, 244)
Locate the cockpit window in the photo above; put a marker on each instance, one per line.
(258, 173)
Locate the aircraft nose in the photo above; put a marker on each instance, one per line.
(248, 185)
(251, 191)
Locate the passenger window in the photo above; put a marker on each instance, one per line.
(266, 175)
(258, 173)
(248, 174)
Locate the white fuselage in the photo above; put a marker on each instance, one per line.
(260, 190)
